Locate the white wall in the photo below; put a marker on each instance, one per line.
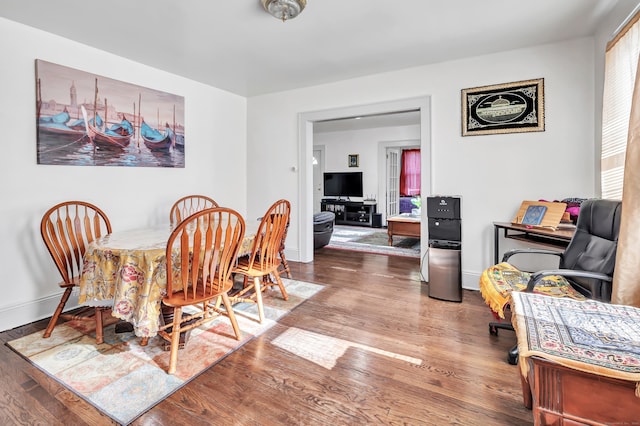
(132, 197)
(365, 143)
(492, 173)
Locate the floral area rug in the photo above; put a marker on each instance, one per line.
(123, 379)
(591, 336)
(372, 240)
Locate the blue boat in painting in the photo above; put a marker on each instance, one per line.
(117, 136)
(55, 126)
(60, 130)
(60, 118)
(154, 139)
(124, 128)
(79, 123)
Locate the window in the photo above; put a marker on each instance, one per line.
(621, 63)
(410, 172)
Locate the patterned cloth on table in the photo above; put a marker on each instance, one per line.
(590, 336)
(498, 281)
(128, 268)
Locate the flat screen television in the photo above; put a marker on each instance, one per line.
(343, 184)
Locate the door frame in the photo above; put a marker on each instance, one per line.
(321, 167)
(305, 153)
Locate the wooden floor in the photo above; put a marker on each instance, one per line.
(372, 300)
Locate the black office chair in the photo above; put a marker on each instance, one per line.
(585, 267)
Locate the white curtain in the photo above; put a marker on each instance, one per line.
(626, 278)
(621, 63)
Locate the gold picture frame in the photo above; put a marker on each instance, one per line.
(503, 108)
(353, 160)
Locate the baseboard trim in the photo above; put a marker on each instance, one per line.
(35, 310)
(471, 280)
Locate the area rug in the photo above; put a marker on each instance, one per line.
(372, 240)
(123, 379)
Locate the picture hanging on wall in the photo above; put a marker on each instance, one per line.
(503, 108)
(85, 119)
(353, 160)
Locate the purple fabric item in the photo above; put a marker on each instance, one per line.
(406, 205)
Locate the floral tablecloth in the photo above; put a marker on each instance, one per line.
(128, 269)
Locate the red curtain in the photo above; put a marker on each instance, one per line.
(410, 172)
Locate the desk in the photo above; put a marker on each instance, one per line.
(128, 269)
(405, 225)
(553, 239)
(576, 368)
(560, 395)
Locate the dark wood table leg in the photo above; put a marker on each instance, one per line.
(527, 397)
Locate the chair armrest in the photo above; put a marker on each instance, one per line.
(510, 253)
(565, 273)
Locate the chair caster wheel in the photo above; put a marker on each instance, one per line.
(493, 330)
(513, 356)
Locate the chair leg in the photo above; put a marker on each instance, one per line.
(283, 260)
(230, 314)
(175, 339)
(512, 357)
(285, 296)
(258, 290)
(494, 326)
(99, 326)
(56, 314)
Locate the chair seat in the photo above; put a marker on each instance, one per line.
(243, 267)
(498, 281)
(178, 299)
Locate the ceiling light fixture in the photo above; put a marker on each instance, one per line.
(284, 9)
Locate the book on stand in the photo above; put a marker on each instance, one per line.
(533, 215)
(540, 214)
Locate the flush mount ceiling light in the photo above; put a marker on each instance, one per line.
(284, 9)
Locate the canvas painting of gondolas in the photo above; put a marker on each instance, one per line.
(85, 119)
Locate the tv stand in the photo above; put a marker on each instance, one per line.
(350, 212)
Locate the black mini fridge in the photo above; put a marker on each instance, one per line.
(445, 248)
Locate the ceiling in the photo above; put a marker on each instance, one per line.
(236, 46)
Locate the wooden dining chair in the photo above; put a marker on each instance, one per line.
(200, 256)
(283, 260)
(264, 260)
(67, 229)
(188, 205)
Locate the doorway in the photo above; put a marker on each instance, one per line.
(305, 181)
(389, 166)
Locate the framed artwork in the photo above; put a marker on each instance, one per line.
(503, 108)
(84, 119)
(353, 160)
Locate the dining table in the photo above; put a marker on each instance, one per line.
(127, 271)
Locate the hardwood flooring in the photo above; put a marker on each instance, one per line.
(377, 306)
